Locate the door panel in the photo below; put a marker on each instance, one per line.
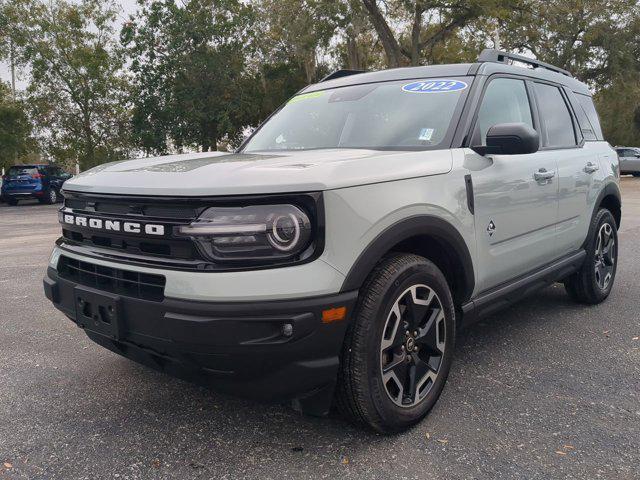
(579, 173)
(515, 196)
(515, 214)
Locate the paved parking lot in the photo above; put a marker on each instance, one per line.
(546, 389)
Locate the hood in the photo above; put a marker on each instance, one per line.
(217, 173)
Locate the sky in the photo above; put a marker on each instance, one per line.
(127, 8)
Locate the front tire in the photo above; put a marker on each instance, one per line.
(398, 351)
(593, 282)
(12, 201)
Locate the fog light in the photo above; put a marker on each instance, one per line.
(287, 330)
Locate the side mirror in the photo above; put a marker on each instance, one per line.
(510, 139)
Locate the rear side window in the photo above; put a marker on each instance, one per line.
(505, 101)
(556, 120)
(19, 170)
(586, 102)
(626, 152)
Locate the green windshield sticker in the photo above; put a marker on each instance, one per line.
(305, 96)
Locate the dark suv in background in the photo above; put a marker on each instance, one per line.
(42, 182)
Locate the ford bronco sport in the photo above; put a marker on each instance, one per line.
(334, 256)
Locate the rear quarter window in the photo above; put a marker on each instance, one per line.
(586, 102)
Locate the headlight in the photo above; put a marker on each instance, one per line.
(262, 233)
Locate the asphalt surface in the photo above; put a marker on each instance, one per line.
(546, 389)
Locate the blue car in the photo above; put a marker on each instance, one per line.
(42, 182)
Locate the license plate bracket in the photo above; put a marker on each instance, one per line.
(98, 312)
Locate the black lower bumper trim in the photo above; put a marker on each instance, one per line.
(271, 351)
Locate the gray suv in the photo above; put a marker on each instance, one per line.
(335, 255)
(629, 160)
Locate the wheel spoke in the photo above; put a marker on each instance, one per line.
(394, 333)
(396, 375)
(428, 336)
(416, 310)
(419, 373)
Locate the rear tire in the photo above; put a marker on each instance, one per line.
(50, 197)
(398, 350)
(593, 282)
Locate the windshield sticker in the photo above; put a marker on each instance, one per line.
(426, 134)
(435, 86)
(305, 96)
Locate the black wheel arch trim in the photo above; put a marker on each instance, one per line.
(610, 189)
(418, 225)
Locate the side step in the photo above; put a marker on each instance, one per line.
(509, 293)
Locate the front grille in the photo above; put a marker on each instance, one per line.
(168, 250)
(122, 282)
(146, 249)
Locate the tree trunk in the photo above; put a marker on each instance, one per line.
(416, 29)
(209, 137)
(391, 46)
(353, 55)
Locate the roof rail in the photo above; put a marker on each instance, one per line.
(497, 56)
(340, 74)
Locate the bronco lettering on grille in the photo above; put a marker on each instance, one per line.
(114, 225)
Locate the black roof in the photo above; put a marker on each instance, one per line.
(490, 62)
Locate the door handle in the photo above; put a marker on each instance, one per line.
(591, 167)
(543, 175)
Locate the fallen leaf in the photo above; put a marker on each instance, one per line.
(345, 461)
(560, 452)
(442, 440)
(635, 338)
(427, 435)
(606, 332)
(569, 447)
(7, 465)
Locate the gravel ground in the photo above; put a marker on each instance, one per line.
(545, 389)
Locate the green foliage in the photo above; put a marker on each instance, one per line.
(15, 129)
(75, 94)
(597, 40)
(190, 85)
(199, 74)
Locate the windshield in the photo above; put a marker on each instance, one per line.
(409, 114)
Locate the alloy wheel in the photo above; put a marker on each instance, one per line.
(412, 345)
(605, 256)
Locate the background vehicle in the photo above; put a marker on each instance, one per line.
(629, 160)
(42, 182)
(339, 251)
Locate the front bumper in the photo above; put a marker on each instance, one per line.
(238, 347)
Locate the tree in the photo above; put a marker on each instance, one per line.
(583, 36)
(75, 90)
(421, 25)
(190, 86)
(599, 42)
(15, 129)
